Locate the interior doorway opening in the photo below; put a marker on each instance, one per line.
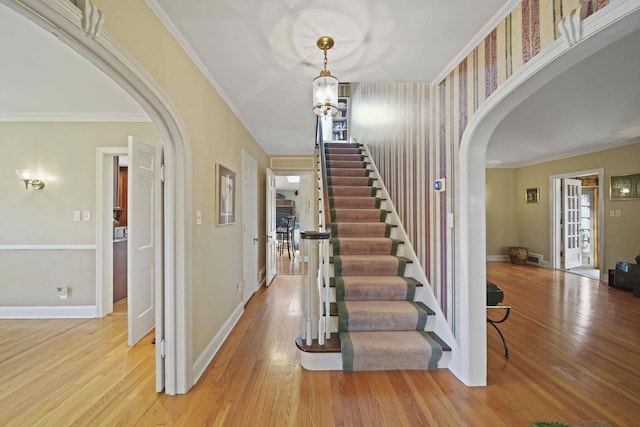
(589, 231)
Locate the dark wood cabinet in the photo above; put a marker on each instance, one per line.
(119, 270)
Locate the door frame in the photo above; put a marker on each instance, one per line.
(555, 214)
(104, 227)
(249, 216)
(81, 28)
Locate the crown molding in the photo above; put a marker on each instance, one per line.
(475, 41)
(191, 53)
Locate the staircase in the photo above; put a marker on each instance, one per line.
(378, 319)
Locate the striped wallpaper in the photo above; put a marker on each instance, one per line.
(414, 130)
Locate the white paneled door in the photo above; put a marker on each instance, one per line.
(571, 191)
(141, 242)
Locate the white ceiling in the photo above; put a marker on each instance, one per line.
(44, 79)
(261, 56)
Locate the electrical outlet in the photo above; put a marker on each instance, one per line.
(239, 287)
(63, 292)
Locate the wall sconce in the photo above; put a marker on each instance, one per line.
(28, 178)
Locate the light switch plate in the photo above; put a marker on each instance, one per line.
(198, 218)
(86, 215)
(76, 216)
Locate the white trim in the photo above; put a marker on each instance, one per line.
(184, 44)
(49, 312)
(497, 258)
(603, 28)
(47, 247)
(80, 30)
(73, 117)
(475, 41)
(205, 358)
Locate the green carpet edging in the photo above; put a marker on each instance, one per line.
(422, 316)
(394, 246)
(339, 289)
(436, 351)
(387, 232)
(343, 316)
(335, 243)
(346, 347)
(378, 202)
(411, 289)
(383, 216)
(402, 266)
(337, 266)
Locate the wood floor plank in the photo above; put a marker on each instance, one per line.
(573, 344)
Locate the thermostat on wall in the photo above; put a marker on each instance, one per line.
(438, 184)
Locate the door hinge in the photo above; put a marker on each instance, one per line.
(163, 352)
(162, 173)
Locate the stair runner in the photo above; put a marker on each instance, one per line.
(380, 325)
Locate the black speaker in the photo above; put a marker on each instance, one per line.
(494, 294)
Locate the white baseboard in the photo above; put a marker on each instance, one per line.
(205, 358)
(49, 312)
(498, 258)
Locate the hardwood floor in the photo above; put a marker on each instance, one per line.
(574, 346)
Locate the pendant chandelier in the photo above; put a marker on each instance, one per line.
(325, 86)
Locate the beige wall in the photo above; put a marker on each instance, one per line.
(66, 154)
(216, 136)
(501, 205)
(621, 234)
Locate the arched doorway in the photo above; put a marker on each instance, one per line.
(605, 28)
(81, 28)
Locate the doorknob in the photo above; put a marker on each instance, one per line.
(255, 239)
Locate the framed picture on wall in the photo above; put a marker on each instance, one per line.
(533, 195)
(226, 197)
(625, 187)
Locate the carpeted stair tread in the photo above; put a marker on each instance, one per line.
(355, 202)
(359, 229)
(348, 172)
(365, 245)
(369, 265)
(353, 191)
(374, 288)
(348, 157)
(382, 315)
(341, 145)
(345, 150)
(331, 164)
(389, 350)
(360, 316)
(350, 181)
(358, 215)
